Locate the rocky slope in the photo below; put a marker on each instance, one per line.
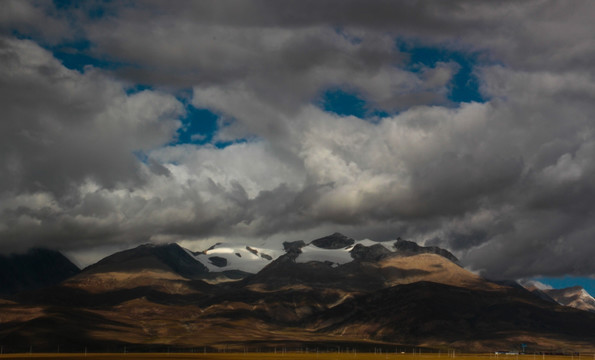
(575, 297)
(329, 291)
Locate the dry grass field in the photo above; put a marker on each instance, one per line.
(293, 356)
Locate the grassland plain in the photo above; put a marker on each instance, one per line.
(294, 356)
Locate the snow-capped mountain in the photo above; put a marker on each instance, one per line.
(336, 249)
(334, 289)
(229, 262)
(333, 249)
(224, 257)
(574, 296)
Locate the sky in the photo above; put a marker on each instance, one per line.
(462, 124)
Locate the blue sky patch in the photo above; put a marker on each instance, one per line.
(343, 103)
(94, 10)
(567, 281)
(465, 85)
(224, 144)
(463, 88)
(77, 55)
(198, 126)
(138, 88)
(346, 103)
(65, 4)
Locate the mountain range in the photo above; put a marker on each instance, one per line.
(330, 292)
(35, 269)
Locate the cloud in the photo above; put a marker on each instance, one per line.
(536, 284)
(505, 183)
(34, 18)
(190, 48)
(63, 129)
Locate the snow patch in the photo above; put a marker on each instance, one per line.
(336, 256)
(389, 245)
(247, 261)
(252, 259)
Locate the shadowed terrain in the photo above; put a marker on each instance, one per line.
(158, 297)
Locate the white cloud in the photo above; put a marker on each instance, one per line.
(534, 283)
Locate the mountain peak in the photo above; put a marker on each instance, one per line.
(369, 253)
(37, 268)
(574, 296)
(412, 248)
(334, 241)
(239, 259)
(165, 257)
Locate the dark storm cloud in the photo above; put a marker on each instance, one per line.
(61, 130)
(62, 127)
(507, 184)
(227, 38)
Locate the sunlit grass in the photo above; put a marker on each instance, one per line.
(294, 356)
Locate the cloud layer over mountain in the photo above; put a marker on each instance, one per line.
(90, 157)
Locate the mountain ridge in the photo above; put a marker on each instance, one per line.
(334, 290)
(574, 296)
(37, 268)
